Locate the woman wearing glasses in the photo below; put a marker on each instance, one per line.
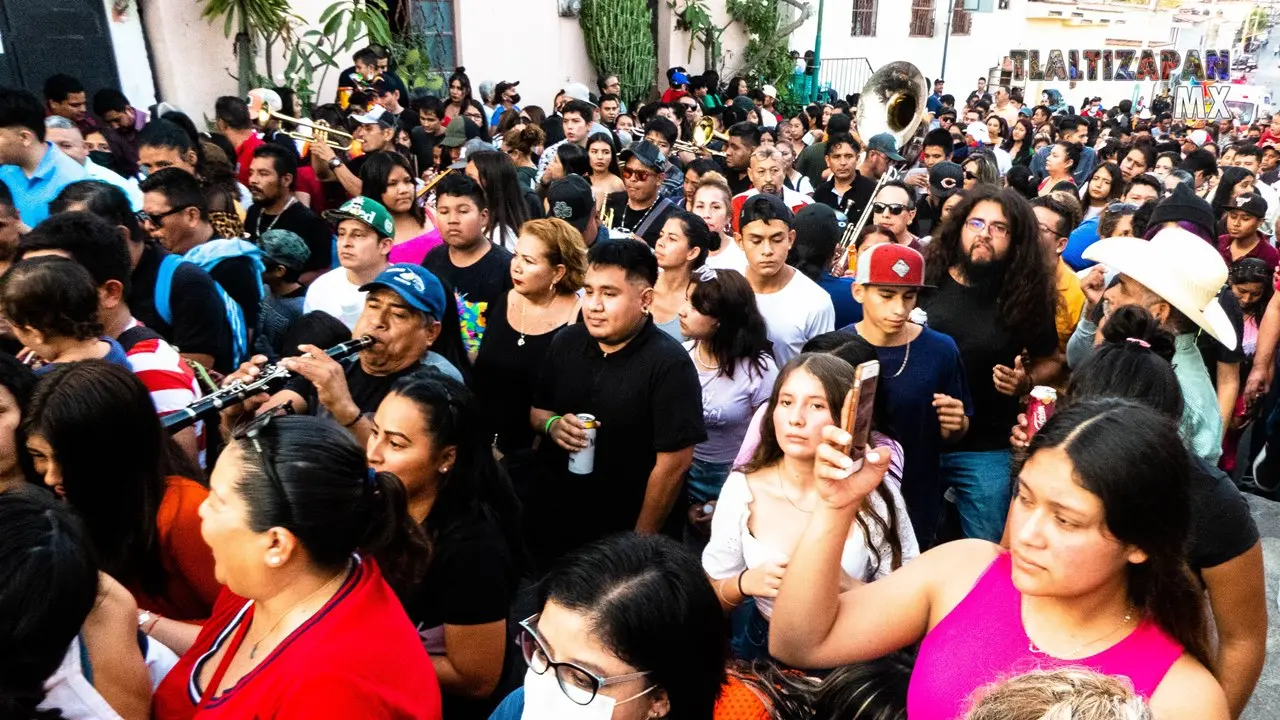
(427, 432)
(734, 358)
(639, 597)
(307, 627)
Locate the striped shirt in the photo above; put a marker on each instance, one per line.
(166, 376)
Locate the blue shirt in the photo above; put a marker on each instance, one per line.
(129, 187)
(934, 103)
(115, 355)
(1201, 426)
(910, 375)
(1079, 241)
(511, 707)
(32, 195)
(848, 310)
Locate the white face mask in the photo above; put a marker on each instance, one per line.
(544, 700)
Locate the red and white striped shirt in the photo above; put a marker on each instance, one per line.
(166, 376)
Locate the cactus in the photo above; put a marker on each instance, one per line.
(620, 42)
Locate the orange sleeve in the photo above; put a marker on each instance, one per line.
(739, 701)
(191, 557)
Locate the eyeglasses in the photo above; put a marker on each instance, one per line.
(894, 209)
(156, 219)
(996, 229)
(637, 175)
(252, 431)
(577, 683)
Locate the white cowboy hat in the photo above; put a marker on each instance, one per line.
(1181, 268)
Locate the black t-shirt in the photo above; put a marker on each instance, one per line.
(738, 181)
(298, 218)
(356, 164)
(853, 202)
(243, 283)
(647, 400)
(471, 580)
(367, 391)
(1222, 527)
(199, 315)
(974, 320)
(646, 223)
(423, 146)
(475, 287)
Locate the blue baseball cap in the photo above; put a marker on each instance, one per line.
(414, 284)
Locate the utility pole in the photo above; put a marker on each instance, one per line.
(946, 40)
(817, 55)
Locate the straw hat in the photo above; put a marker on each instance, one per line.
(1182, 269)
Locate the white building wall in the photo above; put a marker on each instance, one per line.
(130, 48)
(523, 40)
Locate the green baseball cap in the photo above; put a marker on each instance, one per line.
(366, 210)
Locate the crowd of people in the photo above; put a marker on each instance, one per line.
(587, 457)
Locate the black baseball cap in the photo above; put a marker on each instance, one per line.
(570, 199)
(946, 179)
(647, 153)
(820, 224)
(1252, 203)
(764, 206)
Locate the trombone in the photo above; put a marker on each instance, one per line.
(320, 130)
(893, 101)
(703, 133)
(426, 189)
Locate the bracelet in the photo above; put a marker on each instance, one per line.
(147, 621)
(546, 428)
(354, 421)
(741, 592)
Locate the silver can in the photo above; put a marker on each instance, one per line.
(583, 462)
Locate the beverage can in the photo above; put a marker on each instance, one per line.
(583, 462)
(1040, 407)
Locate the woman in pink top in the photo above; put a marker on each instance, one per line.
(1096, 575)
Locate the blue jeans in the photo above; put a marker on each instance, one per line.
(704, 480)
(750, 640)
(982, 489)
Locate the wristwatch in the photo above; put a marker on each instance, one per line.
(147, 621)
(335, 163)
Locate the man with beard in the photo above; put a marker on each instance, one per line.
(275, 207)
(768, 175)
(996, 298)
(642, 390)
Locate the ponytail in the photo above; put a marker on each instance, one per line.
(400, 545)
(1165, 590)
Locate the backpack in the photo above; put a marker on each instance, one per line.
(207, 261)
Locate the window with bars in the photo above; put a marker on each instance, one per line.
(922, 18)
(864, 18)
(961, 20)
(434, 19)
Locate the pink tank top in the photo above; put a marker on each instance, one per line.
(982, 641)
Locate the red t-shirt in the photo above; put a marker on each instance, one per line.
(358, 657)
(307, 182)
(244, 156)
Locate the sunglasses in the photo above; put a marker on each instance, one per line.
(969, 176)
(638, 175)
(577, 683)
(1116, 207)
(252, 431)
(157, 219)
(894, 209)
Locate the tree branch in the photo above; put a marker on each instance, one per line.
(806, 12)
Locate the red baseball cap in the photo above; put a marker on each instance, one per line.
(890, 264)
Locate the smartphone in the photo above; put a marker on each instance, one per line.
(859, 407)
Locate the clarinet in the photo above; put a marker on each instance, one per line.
(237, 391)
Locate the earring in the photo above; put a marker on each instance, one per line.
(273, 561)
(444, 470)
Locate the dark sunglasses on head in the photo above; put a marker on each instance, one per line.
(1116, 207)
(640, 175)
(891, 208)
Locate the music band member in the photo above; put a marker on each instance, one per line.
(402, 314)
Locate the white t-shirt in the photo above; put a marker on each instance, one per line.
(333, 293)
(733, 548)
(730, 257)
(795, 314)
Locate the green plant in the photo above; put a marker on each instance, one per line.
(620, 42)
(321, 49)
(412, 51)
(251, 20)
(695, 17)
(767, 56)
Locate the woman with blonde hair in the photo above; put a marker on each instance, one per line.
(547, 271)
(1066, 694)
(713, 202)
(520, 144)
